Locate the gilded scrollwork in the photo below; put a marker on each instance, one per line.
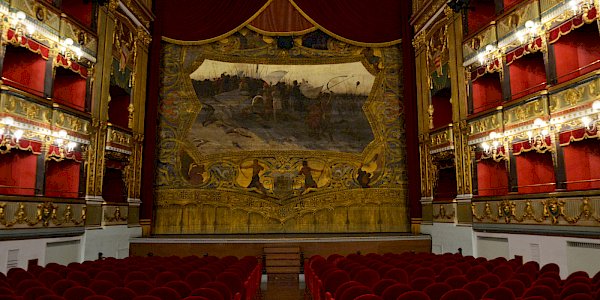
(549, 211)
(442, 214)
(46, 214)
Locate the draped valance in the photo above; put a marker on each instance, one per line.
(364, 23)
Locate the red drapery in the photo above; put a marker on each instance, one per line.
(353, 21)
(281, 18)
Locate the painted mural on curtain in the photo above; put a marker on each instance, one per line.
(256, 138)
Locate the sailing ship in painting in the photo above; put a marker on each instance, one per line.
(281, 107)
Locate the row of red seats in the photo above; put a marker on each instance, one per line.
(137, 278)
(442, 277)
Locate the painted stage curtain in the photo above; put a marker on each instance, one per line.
(354, 21)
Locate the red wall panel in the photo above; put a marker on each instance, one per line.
(24, 70)
(535, 173)
(527, 75)
(17, 173)
(576, 53)
(62, 179)
(582, 163)
(487, 92)
(492, 178)
(69, 88)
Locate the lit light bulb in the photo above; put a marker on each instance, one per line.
(78, 51)
(68, 41)
(495, 144)
(485, 146)
(489, 48)
(596, 106)
(586, 121)
(62, 134)
(18, 135)
(30, 29)
(9, 121)
(71, 146)
(520, 36)
(529, 134)
(574, 4)
(545, 132)
(58, 141)
(481, 58)
(21, 16)
(539, 122)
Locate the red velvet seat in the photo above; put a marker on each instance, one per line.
(344, 286)
(136, 275)
(491, 279)
(333, 280)
(50, 297)
(397, 274)
(62, 285)
(196, 298)
(504, 272)
(539, 290)
(523, 278)
(423, 272)
(550, 267)
(579, 296)
(146, 297)
(78, 293)
(435, 291)
(499, 293)
(163, 277)
(382, 284)
(164, 293)
(578, 274)
(368, 297)
(477, 288)
(353, 292)
(8, 297)
(458, 294)
(6, 291)
(15, 275)
(35, 292)
(221, 288)
(516, 286)
(575, 288)
(233, 282)
(109, 276)
(420, 283)
(457, 281)
(27, 284)
(140, 287)
(48, 278)
(413, 295)
(368, 277)
(182, 288)
(476, 272)
(121, 293)
(208, 293)
(97, 297)
(448, 272)
(394, 291)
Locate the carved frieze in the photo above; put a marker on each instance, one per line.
(40, 215)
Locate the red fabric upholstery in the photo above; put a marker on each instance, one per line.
(499, 293)
(24, 69)
(121, 293)
(62, 285)
(421, 283)
(397, 274)
(17, 173)
(79, 277)
(575, 288)
(382, 285)
(368, 297)
(34, 292)
(208, 293)
(69, 88)
(136, 275)
(448, 272)
(147, 297)
(48, 278)
(581, 51)
(344, 286)
(458, 294)
(353, 292)
(457, 281)
(62, 179)
(79, 10)
(26, 284)
(335, 279)
(140, 287)
(220, 287)
(487, 92)
(164, 293)
(527, 75)
(491, 279)
(477, 288)
(367, 277)
(77, 293)
(516, 286)
(182, 288)
(197, 279)
(536, 172)
(582, 164)
(97, 297)
(579, 296)
(164, 277)
(539, 290)
(550, 267)
(435, 291)
(414, 295)
(394, 291)
(50, 297)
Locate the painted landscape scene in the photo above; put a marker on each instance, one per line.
(281, 107)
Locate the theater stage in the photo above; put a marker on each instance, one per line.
(309, 244)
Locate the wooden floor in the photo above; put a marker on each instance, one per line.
(283, 290)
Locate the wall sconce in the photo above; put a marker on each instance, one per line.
(487, 56)
(579, 6)
(496, 142)
(591, 122)
(68, 50)
(9, 132)
(61, 140)
(529, 33)
(21, 25)
(537, 136)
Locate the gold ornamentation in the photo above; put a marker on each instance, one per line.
(116, 216)
(507, 210)
(487, 213)
(554, 209)
(442, 214)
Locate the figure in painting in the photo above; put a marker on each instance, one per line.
(363, 178)
(256, 169)
(195, 172)
(309, 182)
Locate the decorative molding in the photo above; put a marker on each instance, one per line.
(41, 215)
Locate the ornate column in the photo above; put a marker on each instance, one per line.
(99, 111)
